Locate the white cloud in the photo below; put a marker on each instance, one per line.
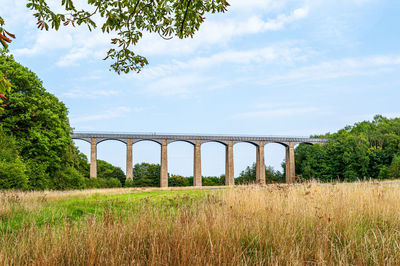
(77, 44)
(178, 85)
(276, 113)
(282, 53)
(186, 78)
(218, 33)
(105, 115)
(79, 93)
(72, 45)
(14, 12)
(282, 20)
(341, 68)
(45, 42)
(86, 48)
(255, 5)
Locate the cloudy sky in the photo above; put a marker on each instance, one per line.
(266, 67)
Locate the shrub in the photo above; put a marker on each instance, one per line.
(69, 178)
(394, 170)
(384, 173)
(102, 183)
(179, 181)
(38, 177)
(113, 182)
(107, 171)
(12, 175)
(212, 181)
(12, 168)
(129, 183)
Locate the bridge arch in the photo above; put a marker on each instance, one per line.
(244, 156)
(135, 141)
(256, 144)
(186, 141)
(275, 157)
(280, 143)
(112, 151)
(83, 139)
(307, 143)
(83, 146)
(214, 141)
(181, 158)
(111, 139)
(213, 158)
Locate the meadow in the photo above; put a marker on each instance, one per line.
(308, 224)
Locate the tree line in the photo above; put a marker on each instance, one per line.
(366, 150)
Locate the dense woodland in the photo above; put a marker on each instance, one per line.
(366, 150)
(36, 151)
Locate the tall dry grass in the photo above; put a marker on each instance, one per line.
(280, 225)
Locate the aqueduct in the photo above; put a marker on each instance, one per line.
(197, 140)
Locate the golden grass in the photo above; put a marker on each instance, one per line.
(297, 225)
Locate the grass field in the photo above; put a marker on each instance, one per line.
(299, 224)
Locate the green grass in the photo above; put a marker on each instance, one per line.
(76, 207)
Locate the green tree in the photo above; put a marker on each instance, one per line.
(108, 171)
(145, 175)
(180, 181)
(12, 168)
(39, 123)
(127, 21)
(362, 151)
(81, 163)
(248, 176)
(69, 178)
(394, 170)
(209, 181)
(5, 89)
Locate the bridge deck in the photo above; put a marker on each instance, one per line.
(101, 136)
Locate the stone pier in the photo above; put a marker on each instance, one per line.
(229, 173)
(290, 163)
(93, 158)
(197, 164)
(164, 164)
(129, 160)
(260, 164)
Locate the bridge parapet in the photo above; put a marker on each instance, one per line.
(191, 138)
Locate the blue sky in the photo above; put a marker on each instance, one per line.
(266, 67)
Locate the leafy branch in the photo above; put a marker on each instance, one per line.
(129, 19)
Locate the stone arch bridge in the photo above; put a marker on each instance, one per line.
(197, 140)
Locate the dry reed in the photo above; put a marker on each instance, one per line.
(309, 224)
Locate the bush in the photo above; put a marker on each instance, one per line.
(146, 175)
(12, 175)
(394, 170)
(180, 181)
(384, 173)
(113, 182)
(38, 177)
(212, 181)
(129, 183)
(12, 168)
(69, 178)
(107, 171)
(102, 183)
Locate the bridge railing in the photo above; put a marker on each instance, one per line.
(187, 134)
